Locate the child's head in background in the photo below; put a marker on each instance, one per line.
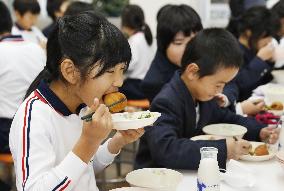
(255, 28)
(26, 12)
(133, 21)
(177, 25)
(56, 8)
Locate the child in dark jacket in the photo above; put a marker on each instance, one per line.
(177, 25)
(186, 103)
(255, 40)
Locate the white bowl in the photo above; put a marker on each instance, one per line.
(134, 120)
(160, 179)
(225, 130)
(278, 76)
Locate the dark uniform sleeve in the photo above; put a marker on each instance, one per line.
(167, 145)
(250, 76)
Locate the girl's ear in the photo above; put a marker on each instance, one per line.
(69, 71)
(191, 71)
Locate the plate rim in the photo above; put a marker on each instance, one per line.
(127, 120)
(206, 135)
(127, 124)
(223, 124)
(150, 169)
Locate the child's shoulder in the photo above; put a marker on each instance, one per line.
(34, 105)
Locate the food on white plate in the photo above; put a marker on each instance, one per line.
(260, 150)
(277, 105)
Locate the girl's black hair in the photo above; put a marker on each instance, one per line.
(237, 8)
(258, 21)
(212, 49)
(173, 19)
(77, 7)
(87, 39)
(5, 19)
(24, 6)
(133, 17)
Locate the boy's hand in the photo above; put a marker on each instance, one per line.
(252, 107)
(269, 134)
(235, 149)
(122, 138)
(222, 100)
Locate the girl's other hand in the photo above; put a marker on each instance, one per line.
(122, 138)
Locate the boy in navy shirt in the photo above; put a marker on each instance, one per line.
(186, 103)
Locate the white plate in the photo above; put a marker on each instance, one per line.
(225, 130)
(158, 179)
(206, 138)
(124, 121)
(271, 151)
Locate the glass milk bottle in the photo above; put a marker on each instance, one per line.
(208, 175)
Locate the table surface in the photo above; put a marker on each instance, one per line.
(269, 177)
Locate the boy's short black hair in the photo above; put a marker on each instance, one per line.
(5, 19)
(52, 6)
(212, 49)
(24, 6)
(173, 19)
